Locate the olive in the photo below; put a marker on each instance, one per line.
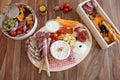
(8, 24)
(103, 29)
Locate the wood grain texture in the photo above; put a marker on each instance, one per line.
(98, 65)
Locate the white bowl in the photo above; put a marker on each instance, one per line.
(57, 50)
(31, 31)
(91, 26)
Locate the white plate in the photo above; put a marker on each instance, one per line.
(79, 57)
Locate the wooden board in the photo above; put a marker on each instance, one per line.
(78, 57)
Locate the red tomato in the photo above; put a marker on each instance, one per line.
(70, 8)
(60, 32)
(66, 10)
(51, 35)
(66, 5)
(61, 7)
(21, 29)
(13, 33)
(19, 32)
(56, 38)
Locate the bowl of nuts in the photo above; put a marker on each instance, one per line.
(18, 21)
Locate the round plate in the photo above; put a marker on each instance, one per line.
(78, 57)
(23, 36)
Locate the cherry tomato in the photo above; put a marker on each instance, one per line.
(70, 8)
(13, 33)
(19, 32)
(66, 5)
(60, 32)
(66, 10)
(55, 34)
(51, 35)
(21, 29)
(61, 7)
(57, 38)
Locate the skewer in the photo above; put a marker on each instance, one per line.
(47, 66)
(45, 55)
(41, 65)
(45, 58)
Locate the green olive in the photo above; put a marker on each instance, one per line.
(8, 24)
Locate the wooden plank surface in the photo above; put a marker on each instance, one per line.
(98, 65)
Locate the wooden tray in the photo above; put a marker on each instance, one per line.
(79, 57)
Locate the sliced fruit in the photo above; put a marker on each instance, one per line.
(67, 23)
(21, 16)
(97, 20)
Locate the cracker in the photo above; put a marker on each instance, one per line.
(111, 31)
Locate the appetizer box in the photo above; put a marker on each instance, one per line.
(99, 23)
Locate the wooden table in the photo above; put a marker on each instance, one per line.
(98, 65)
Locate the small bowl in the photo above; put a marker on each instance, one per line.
(92, 27)
(32, 30)
(60, 50)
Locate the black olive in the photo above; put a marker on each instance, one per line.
(103, 29)
(80, 46)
